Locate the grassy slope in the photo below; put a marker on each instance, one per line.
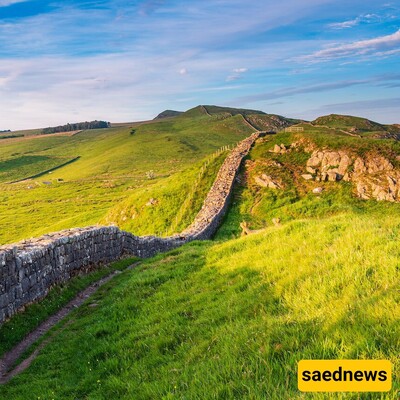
(259, 206)
(177, 199)
(14, 330)
(230, 319)
(112, 166)
(362, 126)
(27, 165)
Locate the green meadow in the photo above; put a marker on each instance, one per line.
(162, 159)
(231, 319)
(222, 319)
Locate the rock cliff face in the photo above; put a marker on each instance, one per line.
(374, 176)
(269, 122)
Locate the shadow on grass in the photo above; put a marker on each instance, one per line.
(180, 327)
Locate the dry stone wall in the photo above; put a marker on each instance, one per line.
(29, 269)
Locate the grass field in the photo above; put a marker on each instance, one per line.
(114, 166)
(229, 318)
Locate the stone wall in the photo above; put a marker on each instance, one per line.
(29, 269)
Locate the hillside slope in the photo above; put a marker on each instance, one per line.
(316, 277)
(357, 125)
(232, 319)
(113, 164)
(168, 114)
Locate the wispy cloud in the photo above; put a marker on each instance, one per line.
(291, 91)
(380, 45)
(5, 3)
(364, 18)
(126, 60)
(345, 24)
(236, 74)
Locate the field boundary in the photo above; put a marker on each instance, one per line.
(46, 171)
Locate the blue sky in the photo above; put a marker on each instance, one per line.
(67, 61)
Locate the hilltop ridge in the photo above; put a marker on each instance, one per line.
(358, 125)
(168, 114)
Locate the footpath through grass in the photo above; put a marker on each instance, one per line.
(13, 331)
(231, 320)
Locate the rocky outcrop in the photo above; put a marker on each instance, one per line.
(374, 176)
(30, 268)
(267, 181)
(279, 149)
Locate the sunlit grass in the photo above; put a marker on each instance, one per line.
(112, 169)
(232, 319)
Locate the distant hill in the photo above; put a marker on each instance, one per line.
(270, 122)
(348, 121)
(168, 113)
(232, 111)
(213, 110)
(257, 119)
(358, 125)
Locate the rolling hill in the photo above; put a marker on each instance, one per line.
(313, 275)
(168, 114)
(110, 165)
(357, 125)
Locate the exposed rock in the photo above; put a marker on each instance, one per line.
(276, 221)
(307, 177)
(279, 149)
(311, 170)
(267, 181)
(344, 163)
(246, 230)
(332, 176)
(330, 158)
(152, 202)
(374, 175)
(318, 190)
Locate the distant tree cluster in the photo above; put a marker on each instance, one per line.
(6, 130)
(10, 136)
(79, 126)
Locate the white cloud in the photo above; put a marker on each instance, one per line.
(237, 74)
(345, 24)
(240, 70)
(363, 18)
(5, 3)
(183, 71)
(375, 46)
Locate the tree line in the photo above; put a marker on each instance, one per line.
(79, 126)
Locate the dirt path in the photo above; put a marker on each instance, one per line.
(7, 363)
